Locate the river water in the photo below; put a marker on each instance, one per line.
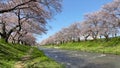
(78, 59)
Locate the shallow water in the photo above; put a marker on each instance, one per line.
(78, 59)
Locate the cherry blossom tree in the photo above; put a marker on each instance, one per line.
(104, 23)
(28, 39)
(92, 22)
(113, 9)
(30, 16)
(33, 5)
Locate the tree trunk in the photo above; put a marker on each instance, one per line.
(79, 40)
(5, 38)
(106, 37)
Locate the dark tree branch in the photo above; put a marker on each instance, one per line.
(15, 8)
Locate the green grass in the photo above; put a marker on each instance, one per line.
(112, 46)
(11, 54)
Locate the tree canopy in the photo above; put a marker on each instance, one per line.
(20, 17)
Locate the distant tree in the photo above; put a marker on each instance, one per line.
(108, 24)
(85, 30)
(113, 9)
(101, 23)
(74, 31)
(93, 22)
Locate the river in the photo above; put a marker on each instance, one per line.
(78, 59)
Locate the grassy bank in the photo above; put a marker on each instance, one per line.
(112, 46)
(21, 56)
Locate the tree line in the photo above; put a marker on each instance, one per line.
(20, 20)
(104, 23)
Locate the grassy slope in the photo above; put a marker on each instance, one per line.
(11, 54)
(102, 46)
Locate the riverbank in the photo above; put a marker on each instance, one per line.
(22, 56)
(112, 46)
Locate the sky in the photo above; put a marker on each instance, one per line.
(72, 11)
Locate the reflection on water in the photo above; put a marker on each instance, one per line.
(77, 59)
